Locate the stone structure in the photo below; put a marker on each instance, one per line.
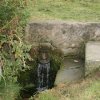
(70, 37)
(92, 58)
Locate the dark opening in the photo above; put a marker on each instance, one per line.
(41, 75)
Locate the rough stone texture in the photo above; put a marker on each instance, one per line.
(72, 70)
(92, 58)
(70, 37)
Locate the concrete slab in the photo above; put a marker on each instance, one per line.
(92, 56)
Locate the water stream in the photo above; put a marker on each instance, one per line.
(43, 71)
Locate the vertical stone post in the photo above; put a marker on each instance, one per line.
(92, 57)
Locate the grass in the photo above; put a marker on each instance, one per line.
(9, 92)
(88, 89)
(71, 10)
(48, 95)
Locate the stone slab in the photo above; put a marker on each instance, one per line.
(92, 56)
(71, 71)
(70, 37)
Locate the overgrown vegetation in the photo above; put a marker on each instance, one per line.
(13, 52)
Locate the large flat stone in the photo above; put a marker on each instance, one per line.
(92, 58)
(71, 71)
(70, 37)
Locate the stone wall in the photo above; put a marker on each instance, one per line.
(70, 37)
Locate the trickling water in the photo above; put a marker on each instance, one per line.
(43, 75)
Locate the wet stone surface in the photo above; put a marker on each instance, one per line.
(72, 70)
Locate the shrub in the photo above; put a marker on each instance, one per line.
(14, 15)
